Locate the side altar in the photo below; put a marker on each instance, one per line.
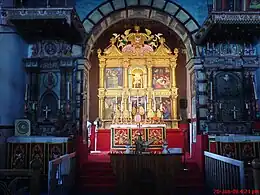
(137, 86)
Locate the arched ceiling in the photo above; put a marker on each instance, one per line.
(166, 12)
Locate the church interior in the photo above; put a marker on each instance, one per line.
(129, 97)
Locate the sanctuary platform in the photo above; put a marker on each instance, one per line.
(22, 150)
(241, 147)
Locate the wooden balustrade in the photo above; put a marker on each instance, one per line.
(14, 176)
(223, 173)
(61, 174)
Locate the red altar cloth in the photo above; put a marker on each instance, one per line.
(175, 138)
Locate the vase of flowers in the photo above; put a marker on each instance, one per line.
(165, 147)
(128, 147)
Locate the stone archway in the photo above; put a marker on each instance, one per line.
(165, 12)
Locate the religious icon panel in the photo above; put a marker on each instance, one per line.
(112, 104)
(254, 4)
(161, 78)
(114, 77)
(164, 105)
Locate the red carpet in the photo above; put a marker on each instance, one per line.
(96, 175)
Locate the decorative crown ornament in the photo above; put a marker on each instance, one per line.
(137, 43)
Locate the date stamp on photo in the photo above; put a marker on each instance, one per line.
(236, 191)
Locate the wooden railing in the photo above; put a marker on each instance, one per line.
(61, 174)
(15, 181)
(256, 174)
(223, 173)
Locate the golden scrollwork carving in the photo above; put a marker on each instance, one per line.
(137, 73)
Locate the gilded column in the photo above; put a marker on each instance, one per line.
(101, 90)
(149, 84)
(174, 90)
(125, 66)
(101, 107)
(102, 63)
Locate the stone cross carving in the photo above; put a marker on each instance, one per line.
(234, 110)
(46, 110)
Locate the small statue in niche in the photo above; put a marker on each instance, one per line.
(137, 79)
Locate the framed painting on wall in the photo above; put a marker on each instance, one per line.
(161, 78)
(110, 106)
(253, 4)
(164, 104)
(114, 77)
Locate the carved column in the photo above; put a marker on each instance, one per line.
(101, 90)
(101, 104)
(125, 66)
(174, 90)
(149, 84)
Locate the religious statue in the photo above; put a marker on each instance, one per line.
(159, 114)
(254, 4)
(117, 114)
(137, 80)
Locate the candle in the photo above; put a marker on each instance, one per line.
(211, 91)
(33, 106)
(68, 90)
(255, 93)
(137, 101)
(116, 100)
(246, 105)
(220, 106)
(234, 112)
(58, 104)
(145, 104)
(26, 92)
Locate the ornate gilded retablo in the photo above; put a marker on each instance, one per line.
(137, 77)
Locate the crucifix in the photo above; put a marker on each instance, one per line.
(46, 110)
(234, 110)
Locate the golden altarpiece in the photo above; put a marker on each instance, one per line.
(137, 80)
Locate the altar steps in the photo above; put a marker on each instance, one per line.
(97, 177)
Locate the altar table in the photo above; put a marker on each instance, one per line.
(162, 167)
(241, 147)
(23, 149)
(122, 134)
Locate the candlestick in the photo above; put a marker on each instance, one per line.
(220, 105)
(246, 105)
(26, 93)
(255, 93)
(116, 100)
(68, 90)
(145, 104)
